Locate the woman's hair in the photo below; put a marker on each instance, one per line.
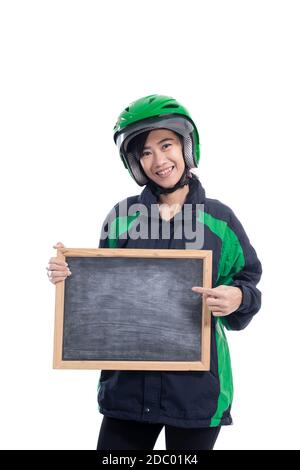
(138, 142)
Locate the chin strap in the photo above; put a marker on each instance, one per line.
(158, 190)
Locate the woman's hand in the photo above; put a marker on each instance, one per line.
(221, 300)
(57, 269)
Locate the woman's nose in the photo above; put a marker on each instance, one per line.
(159, 158)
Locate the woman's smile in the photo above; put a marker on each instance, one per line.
(165, 172)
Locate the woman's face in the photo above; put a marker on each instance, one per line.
(162, 158)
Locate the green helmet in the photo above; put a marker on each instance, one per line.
(155, 112)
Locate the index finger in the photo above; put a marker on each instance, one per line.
(57, 261)
(205, 290)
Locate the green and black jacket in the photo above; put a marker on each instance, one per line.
(186, 398)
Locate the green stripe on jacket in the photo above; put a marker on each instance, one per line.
(119, 226)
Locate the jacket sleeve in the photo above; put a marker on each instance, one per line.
(109, 230)
(104, 241)
(241, 268)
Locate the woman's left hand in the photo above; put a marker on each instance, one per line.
(221, 300)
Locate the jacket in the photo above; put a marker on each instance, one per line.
(186, 398)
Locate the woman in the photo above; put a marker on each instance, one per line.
(159, 145)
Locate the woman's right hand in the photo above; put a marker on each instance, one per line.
(57, 269)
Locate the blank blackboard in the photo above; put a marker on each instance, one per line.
(133, 309)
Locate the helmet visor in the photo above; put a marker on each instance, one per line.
(178, 124)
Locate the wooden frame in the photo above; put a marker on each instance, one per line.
(204, 361)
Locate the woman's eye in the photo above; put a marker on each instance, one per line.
(147, 153)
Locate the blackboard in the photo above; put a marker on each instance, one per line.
(133, 309)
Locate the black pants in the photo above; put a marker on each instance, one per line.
(119, 434)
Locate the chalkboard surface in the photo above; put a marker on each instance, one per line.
(127, 309)
(132, 309)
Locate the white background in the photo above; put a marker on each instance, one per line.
(68, 68)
